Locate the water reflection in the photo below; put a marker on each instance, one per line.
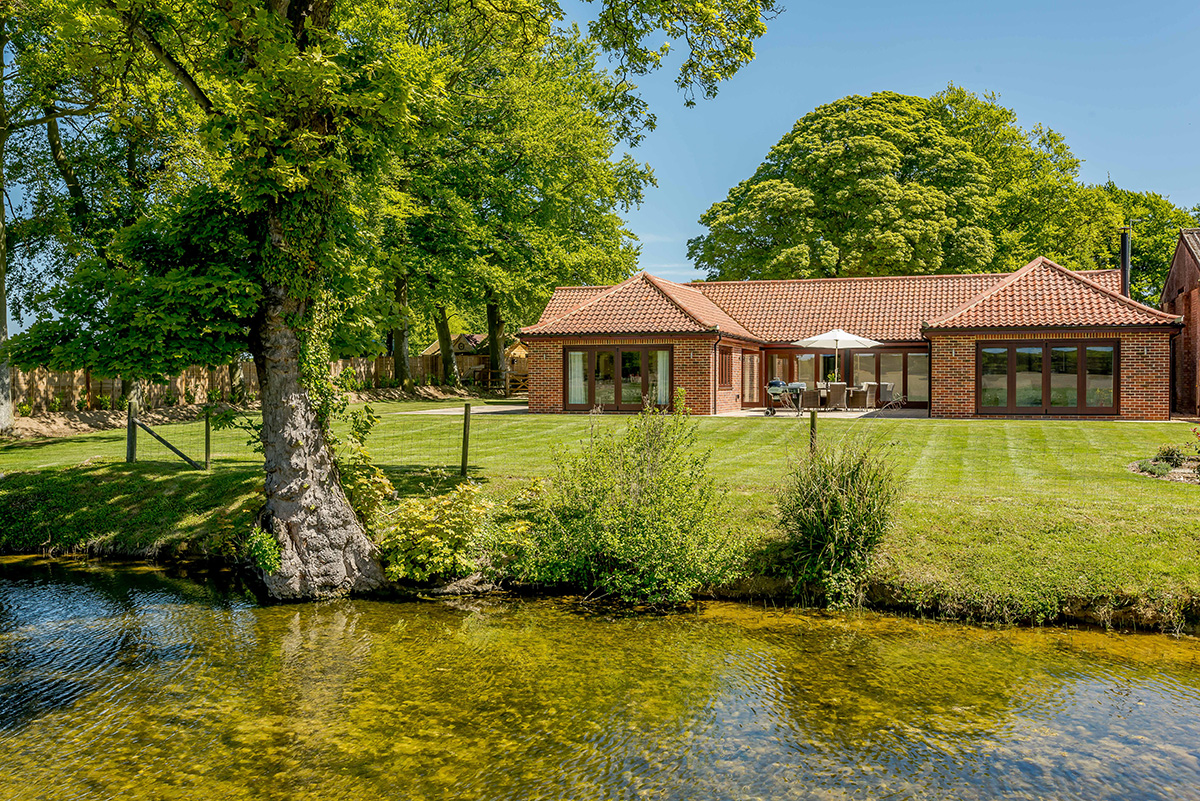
(133, 685)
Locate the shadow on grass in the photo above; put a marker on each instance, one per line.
(136, 509)
(411, 480)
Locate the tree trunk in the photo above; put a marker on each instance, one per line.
(6, 403)
(400, 370)
(495, 332)
(449, 364)
(326, 552)
(237, 382)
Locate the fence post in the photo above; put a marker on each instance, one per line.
(466, 437)
(208, 438)
(812, 430)
(131, 432)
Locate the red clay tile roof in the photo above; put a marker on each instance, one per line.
(886, 308)
(642, 304)
(1043, 293)
(566, 298)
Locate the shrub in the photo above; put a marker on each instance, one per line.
(189, 397)
(122, 403)
(55, 405)
(81, 405)
(834, 508)
(634, 514)
(104, 402)
(434, 536)
(24, 409)
(1169, 454)
(214, 396)
(171, 399)
(1153, 467)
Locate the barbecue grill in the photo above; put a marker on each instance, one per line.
(783, 394)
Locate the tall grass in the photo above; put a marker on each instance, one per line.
(834, 508)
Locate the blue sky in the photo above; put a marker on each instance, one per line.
(1119, 81)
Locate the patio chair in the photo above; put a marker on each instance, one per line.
(857, 397)
(885, 393)
(872, 389)
(810, 399)
(837, 395)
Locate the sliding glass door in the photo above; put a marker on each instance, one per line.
(616, 378)
(1046, 377)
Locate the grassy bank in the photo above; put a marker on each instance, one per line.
(1001, 519)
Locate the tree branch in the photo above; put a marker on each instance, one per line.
(52, 113)
(169, 61)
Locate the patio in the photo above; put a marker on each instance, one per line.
(833, 414)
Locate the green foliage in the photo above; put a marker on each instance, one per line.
(863, 186)
(55, 405)
(1170, 454)
(263, 550)
(365, 485)
(635, 515)
(1153, 467)
(171, 400)
(434, 536)
(104, 402)
(174, 290)
(834, 508)
(890, 184)
(122, 403)
(24, 409)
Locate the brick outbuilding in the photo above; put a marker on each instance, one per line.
(1181, 297)
(1042, 341)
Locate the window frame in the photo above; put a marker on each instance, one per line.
(590, 375)
(725, 367)
(1081, 408)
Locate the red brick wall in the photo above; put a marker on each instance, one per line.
(1145, 366)
(694, 366)
(1187, 352)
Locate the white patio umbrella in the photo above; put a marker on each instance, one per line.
(837, 339)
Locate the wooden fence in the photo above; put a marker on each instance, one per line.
(44, 389)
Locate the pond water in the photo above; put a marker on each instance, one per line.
(132, 683)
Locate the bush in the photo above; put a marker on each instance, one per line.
(104, 402)
(24, 409)
(1169, 454)
(81, 405)
(189, 397)
(434, 536)
(1153, 467)
(633, 514)
(171, 399)
(122, 403)
(55, 405)
(214, 396)
(834, 508)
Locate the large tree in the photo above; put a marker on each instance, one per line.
(302, 101)
(864, 185)
(892, 184)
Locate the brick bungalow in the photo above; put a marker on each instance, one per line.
(1181, 297)
(1041, 341)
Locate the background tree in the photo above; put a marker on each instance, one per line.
(863, 186)
(1155, 222)
(866, 186)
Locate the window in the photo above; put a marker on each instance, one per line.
(616, 377)
(918, 378)
(863, 367)
(1047, 378)
(725, 368)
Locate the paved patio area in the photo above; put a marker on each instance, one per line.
(852, 414)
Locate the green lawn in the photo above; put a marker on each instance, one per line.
(1003, 518)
